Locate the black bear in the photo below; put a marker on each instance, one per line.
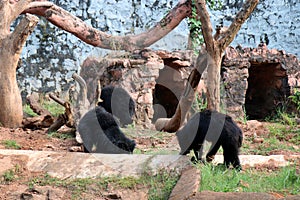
(100, 133)
(215, 128)
(118, 102)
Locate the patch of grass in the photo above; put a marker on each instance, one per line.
(200, 102)
(8, 176)
(270, 144)
(62, 136)
(54, 108)
(11, 144)
(125, 182)
(216, 178)
(161, 185)
(29, 111)
(285, 133)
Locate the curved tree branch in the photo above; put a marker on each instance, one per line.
(206, 25)
(187, 97)
(22, 31)
(68, 22)
(228, 36)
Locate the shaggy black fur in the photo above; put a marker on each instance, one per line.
(216, 128)
(101, 134)
(118, 102)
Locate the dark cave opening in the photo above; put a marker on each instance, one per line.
(167, 91)
(267, 90)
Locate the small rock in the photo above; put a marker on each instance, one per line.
(50, 146)
(187, 185)
(295, 147)
(26, 196)
(113, 196)
(243, 184)
(258, 140)
(75, 149)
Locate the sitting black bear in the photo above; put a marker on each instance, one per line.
(213, 127)
(118, 102)
(101, 134)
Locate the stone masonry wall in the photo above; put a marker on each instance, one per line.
(139, 74)
(273, 77)
(52, 55)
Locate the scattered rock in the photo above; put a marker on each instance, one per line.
(187, 185)
(258, 140)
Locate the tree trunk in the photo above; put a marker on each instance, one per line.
(213, 82)
(11, 112)
(216, 45)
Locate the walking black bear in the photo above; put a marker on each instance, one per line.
(215, 128)
(101, 134)
(118, 102)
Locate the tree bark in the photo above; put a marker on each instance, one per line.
(11, 112)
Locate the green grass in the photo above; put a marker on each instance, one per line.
(11, 144)
(62, 136)
(282, 132)
(160, 185)
(10, 175)
(54, 108)
(270, 144)
(29, 111)
(216, 178)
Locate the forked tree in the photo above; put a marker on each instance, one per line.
(12, 41)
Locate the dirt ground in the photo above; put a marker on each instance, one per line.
(148, 141)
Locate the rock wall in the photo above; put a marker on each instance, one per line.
(52, 55)
(255, 81)
(258, 80)
(143, 75)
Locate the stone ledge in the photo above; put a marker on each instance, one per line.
(82, 165)
(255, 160)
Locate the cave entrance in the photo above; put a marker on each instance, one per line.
(267, 89)
(168, 88)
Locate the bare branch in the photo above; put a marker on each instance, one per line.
(82, 99)
(22, 31)
(228, 36)
(206, 25)
(68, 22)
(37, 4)
(98, 93)
(56, 99)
